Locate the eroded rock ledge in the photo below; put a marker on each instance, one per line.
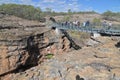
(24, 46)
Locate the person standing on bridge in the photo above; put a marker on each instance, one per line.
(109, 25)
(87, 24)
(104, 24)
(84, 24)
(66, 23)
(78, 23)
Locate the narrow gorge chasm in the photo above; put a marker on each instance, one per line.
(22, 49)
(31, 50)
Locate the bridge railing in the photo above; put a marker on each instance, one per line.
(91, 28)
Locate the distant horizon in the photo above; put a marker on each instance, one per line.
(99, 6)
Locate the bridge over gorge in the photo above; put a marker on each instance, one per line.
(103, 30)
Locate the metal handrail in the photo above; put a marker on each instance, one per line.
(90, 29)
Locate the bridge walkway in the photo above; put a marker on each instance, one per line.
(88, 29)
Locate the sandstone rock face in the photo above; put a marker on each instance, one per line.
(24, 46)
(99, 62)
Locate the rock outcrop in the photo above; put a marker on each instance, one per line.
(24, 46)
(30, 51)
(89, 63)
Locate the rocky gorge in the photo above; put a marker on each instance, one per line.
(25, 47)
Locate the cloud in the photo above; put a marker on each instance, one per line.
(16, 1)
(88, 9)
(49, 1)
(56, 5)
(28, 2)
(115, 8)
(7, 1)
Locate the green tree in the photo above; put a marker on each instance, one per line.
(49, 10)
(96, 21)
(109, 15)
(23, 11)
(66, 18)
(69, 11)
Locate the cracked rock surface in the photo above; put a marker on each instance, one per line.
(24, 44)
(89, 63)
(23, 49)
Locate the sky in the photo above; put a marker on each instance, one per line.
(99, 6)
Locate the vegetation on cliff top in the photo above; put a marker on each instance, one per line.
(35, 13)
(109, 15)
(23, 11)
